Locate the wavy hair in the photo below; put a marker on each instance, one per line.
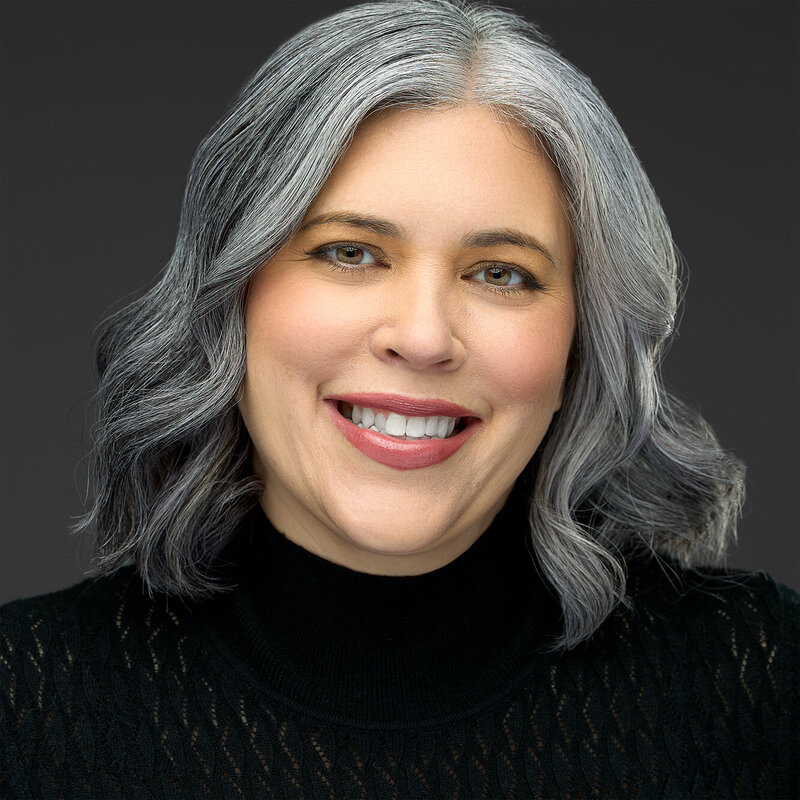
(624, 467)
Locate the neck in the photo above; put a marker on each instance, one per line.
(357, 646)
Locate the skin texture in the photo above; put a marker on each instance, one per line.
(414, 315)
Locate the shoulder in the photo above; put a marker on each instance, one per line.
(85, 669)
(78, 637)
(33, 624)
(93, 618)
(731, 635)
(69, 600)
(53, 633)
(697, 675)
(76, 667)
(712, 599)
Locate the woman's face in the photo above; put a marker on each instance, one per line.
(434, 268)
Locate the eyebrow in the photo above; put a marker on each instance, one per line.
(475, 239)
(374, 224)
(507, 236)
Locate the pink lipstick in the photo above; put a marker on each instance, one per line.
(403, 453)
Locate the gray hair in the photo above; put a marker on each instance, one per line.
(625, 467)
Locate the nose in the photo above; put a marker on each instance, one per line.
(419, 329)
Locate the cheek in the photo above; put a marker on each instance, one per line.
(294, 331)
(523, 364)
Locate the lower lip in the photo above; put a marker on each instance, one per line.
(401, 453)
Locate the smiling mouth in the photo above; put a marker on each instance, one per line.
(400, 426)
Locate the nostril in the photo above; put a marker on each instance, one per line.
(394, 346)
(393, 355)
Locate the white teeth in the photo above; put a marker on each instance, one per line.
(395, 425)
(414, 427)
(400, 426)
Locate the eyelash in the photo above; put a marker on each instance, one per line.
(528, 281)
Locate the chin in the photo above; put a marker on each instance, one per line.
(391, 531)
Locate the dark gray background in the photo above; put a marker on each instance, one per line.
(103, 104)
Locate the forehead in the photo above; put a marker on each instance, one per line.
(456, 167)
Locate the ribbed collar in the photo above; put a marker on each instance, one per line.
(369, 650)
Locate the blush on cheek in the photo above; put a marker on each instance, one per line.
(297, 323)
(528, 369)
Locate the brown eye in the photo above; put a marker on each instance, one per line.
(504, 279)
(348, 254)
(347, 257)
(498, 276)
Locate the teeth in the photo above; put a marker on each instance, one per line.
(400, 426)
(414, 427)
(395, 425)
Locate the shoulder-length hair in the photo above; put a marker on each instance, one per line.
(624, 466)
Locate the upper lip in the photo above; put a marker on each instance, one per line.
(401, 404)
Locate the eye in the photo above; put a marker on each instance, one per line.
(345, 254)
(502, 278)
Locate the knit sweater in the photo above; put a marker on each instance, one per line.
(310, 680)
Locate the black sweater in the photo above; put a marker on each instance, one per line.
(310, 680)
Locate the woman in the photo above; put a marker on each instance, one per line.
(390, 500)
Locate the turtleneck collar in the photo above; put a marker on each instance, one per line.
(373, 649)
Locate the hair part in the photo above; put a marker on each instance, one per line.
(625, 466)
